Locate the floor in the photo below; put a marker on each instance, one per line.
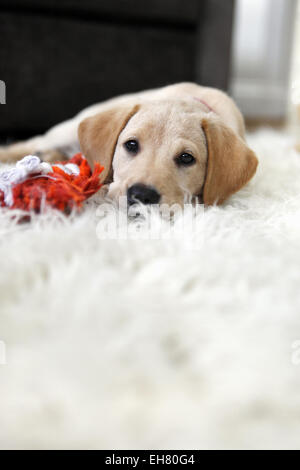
(191, 340)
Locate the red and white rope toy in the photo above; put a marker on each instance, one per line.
(63, 186)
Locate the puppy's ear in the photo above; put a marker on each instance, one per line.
(231, 164)
(98, 135)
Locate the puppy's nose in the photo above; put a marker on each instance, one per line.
(142, 193)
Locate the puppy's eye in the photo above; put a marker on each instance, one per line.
(132, 146)
(185, 159)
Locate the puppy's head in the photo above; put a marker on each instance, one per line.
(161, 152)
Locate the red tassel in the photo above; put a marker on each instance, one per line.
(57, 189)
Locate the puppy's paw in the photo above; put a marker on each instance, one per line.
(4, 155)
(52, 156)
(13, 153)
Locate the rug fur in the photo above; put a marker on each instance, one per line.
(157, 343)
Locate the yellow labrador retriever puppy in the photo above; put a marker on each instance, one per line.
(166, 145)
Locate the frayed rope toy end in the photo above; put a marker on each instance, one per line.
(62, 186)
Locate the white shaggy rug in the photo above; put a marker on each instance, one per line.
(152, 344)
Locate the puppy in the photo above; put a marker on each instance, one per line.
(168, 145)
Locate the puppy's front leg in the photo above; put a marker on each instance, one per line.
(58, 143)
(15, 152)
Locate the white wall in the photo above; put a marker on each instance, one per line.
(295, 75)
(262, 47)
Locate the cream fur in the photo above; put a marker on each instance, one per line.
(166, 122)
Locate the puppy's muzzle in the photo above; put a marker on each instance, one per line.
(142, 193)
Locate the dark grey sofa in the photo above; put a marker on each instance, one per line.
(58, 56)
